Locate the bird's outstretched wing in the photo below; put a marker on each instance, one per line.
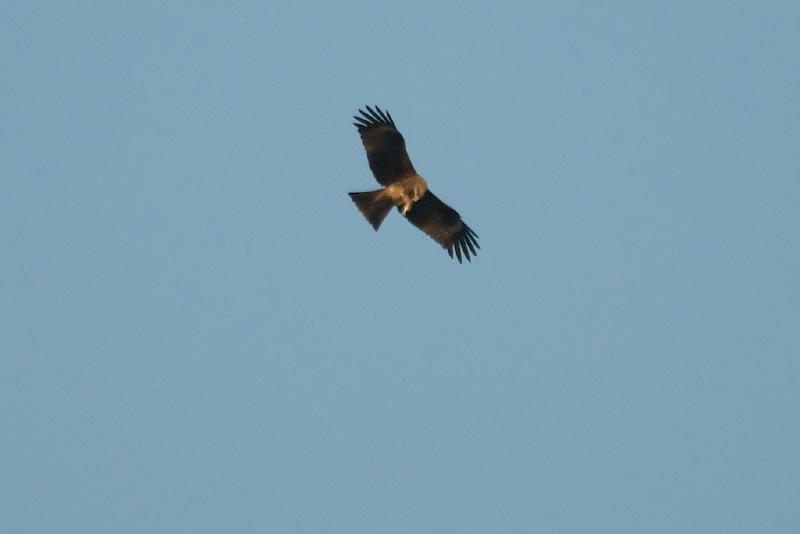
(444, 225)
(385, 146)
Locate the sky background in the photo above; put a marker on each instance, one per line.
(200, 333)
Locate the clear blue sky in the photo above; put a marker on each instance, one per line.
(201, 334)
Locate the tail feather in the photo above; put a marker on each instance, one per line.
(373, 205)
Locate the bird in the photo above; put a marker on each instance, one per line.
(405, 189)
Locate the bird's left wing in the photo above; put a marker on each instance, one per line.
(444, 225)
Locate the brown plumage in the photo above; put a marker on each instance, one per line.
(405, 189)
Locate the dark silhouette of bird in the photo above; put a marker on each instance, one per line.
(405, 189)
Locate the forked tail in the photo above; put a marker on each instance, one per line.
(373, 205)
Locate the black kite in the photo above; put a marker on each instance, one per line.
(405, 189)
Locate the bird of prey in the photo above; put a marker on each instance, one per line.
(405, 189)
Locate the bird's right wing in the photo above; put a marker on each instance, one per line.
(385, 146)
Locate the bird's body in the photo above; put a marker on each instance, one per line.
(405, 189)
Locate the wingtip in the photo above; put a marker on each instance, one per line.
(371, 115)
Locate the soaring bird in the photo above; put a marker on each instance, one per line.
(405, 189)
